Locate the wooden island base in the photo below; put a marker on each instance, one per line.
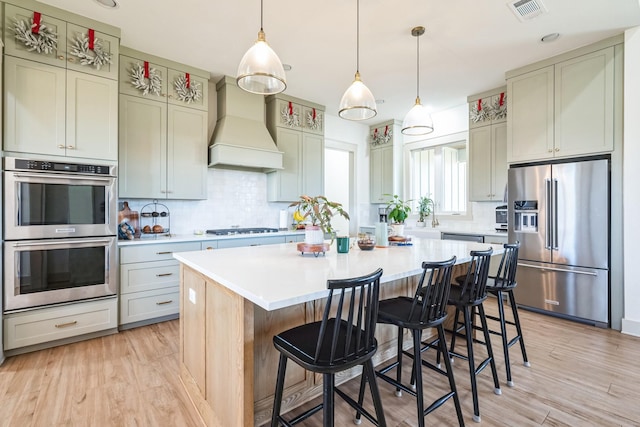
(228, 363)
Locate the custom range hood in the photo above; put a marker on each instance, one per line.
(240, 139)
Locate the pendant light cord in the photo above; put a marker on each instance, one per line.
(357, 36)
(261, 12)
(418, 68)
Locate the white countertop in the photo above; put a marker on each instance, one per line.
(176, 238)
(277, 276)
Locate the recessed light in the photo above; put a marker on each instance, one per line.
(111, 4)
(287, 67)
(550, 38)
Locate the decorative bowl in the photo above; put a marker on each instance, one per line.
(367, 244)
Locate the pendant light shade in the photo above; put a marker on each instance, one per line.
(418, 120)
(260, 70)
(358, 102)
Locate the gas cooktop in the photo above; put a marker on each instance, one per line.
(232, 231)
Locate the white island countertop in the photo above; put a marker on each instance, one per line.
(277, 276)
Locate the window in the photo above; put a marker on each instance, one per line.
(440, 172)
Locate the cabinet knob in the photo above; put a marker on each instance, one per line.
(61, 57)
(557, 149)
(71, 147)
(209, 248)
(61, 146)
(550, 150)
(71, 59)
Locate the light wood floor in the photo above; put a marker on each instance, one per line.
(580, 376)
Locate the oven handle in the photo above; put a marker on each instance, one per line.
(75, 177)
(59, 242)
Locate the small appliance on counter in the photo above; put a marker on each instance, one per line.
(502, 223)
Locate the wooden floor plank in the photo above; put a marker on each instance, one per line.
(580, 376)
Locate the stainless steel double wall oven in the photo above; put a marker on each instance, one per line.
(60, 226)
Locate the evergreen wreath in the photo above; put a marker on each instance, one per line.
(153, 83)
(44, 41)
(187, 94)
(312, 123)
(291, 120)
(81, 49)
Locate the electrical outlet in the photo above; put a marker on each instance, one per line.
(192, 296)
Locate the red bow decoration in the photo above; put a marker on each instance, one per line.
(36, 22)
(480, 104)
(188, 79)
(386, 130)
(92, 38)
(146, 69)
(313, 114)
(290, 108)
(375, 133)
(501, 102)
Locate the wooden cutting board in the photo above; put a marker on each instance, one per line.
(131, 217)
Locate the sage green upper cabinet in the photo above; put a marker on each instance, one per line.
(488, 145)
(297, 126)
(385, 173)
(60, 102)
(163, 137)
(564, 106)
(72, 34)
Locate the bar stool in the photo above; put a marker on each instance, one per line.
(503, 284)
(333, 345)
(468, 298)
(427, 309)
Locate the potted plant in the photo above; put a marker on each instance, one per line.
(397, 212)
(319, 210)
(424, 210)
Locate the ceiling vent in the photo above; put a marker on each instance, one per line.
(527, 9)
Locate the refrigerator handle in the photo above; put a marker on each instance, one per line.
(555, 214)
(547, 223)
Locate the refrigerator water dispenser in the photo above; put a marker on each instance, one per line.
(526, 216)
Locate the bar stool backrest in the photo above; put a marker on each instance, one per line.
(430, 300)
(506, 275)
(474, 289)
(351, 335)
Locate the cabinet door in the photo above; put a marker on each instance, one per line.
(92, 116)
(186, 153)
(34, 114)
(480, 159)
(381, 174)
(584, 88)
(17, 48)
(108, 45)
(143, 148)
(312, 164)
(284, 185)
(196, 96)
(132, 73)
(530, 123)
(499, 166)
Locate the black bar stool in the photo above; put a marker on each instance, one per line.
(503, 285)
(468, 298)
(427, 309)
(334, 345)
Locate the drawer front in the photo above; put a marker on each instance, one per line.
(149, 305)
(50, 324)
(250, 241)
(149, 276)
(155, 252)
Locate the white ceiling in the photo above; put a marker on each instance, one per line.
(467, 47)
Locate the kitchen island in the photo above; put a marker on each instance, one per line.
(233, 301)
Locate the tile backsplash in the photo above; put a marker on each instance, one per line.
(233, 198)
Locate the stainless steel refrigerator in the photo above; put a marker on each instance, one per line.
(560, 214)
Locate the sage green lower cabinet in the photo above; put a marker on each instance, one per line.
(150, 282)
(46, 325)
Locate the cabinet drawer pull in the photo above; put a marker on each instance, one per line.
(209, 248)
(71, 60)
(61, 146)
(64, 325)
(60, 57)
(164, 274)
(70, 147)
(164, 253)
(164, 302)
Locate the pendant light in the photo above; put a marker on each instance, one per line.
(418, 120)
(260, 70)
(358, 102)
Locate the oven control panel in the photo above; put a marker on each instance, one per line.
(37, 165)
